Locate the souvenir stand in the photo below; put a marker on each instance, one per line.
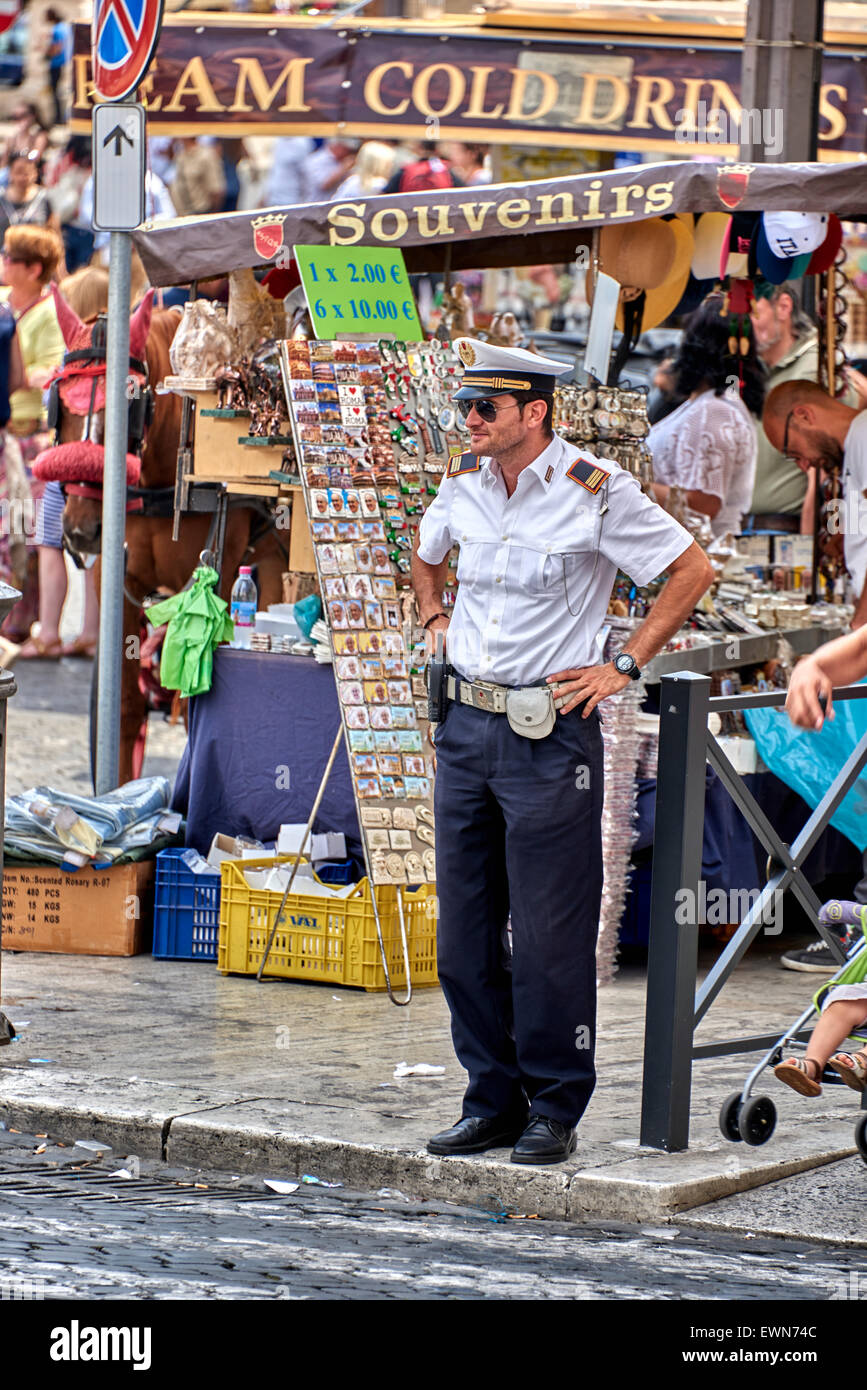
(367, 429)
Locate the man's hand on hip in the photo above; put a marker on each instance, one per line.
(590, 683)
(440, 624)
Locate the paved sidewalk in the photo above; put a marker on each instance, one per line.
(172, 1060)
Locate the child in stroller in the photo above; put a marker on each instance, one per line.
(844, 1007)
(844, 1011)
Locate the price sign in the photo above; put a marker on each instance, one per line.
(358, 289)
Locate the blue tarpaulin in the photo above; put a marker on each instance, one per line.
(808, 760)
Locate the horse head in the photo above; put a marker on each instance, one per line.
(77, 415)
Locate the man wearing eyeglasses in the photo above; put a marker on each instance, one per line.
(816, 431)
(542, 529)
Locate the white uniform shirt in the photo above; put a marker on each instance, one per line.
(526, 560)
(709, 444)
(854, 480)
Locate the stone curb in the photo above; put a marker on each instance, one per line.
(198, 1140)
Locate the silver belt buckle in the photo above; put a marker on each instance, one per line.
(531, 711)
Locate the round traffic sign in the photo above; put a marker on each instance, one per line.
(124, 36)
(9, 12)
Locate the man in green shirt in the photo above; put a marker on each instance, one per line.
(787, 342)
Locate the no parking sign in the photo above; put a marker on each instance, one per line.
(124, 38)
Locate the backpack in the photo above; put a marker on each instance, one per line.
(427, 173)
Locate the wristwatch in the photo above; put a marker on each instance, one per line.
(626, 665)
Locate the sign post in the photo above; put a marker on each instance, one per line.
(124, 39)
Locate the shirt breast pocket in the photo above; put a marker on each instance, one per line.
(545, 575)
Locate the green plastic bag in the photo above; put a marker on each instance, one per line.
(198, 621)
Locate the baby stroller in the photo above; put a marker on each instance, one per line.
(752, 1119)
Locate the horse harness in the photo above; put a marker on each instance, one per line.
(145, 501)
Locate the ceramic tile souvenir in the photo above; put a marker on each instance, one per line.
(413, 765)
(368, 787)
(380, 717)
(347, 531)
(363, 561)
(345, 643)
(371, 668)
(337, 618)
(346, 559)
(323, 531)
(389, 764)
(384, 588)
(375, 693)
(357, 717)
(373, 614)
(361, 740)
(409, 741)
(369, 502)
(350, 692)
(327, 557)
(336, 502)
(372, 642)
(334, 587)
(386, 742)
(399, 839)
(399, 692)
(364, 763)
(359, 586)
(379, 839)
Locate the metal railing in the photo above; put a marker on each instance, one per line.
(675, 1005)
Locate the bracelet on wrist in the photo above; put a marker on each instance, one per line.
(433, 618)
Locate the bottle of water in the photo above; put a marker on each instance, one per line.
(243, 605)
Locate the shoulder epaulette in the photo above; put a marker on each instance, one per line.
(588, 475)
(463, 463)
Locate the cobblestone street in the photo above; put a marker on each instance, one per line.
(69, 1230)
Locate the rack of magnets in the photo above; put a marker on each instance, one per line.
(374, 427)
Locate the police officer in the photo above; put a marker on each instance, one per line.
(542, 531)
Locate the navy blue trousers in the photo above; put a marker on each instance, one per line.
(518, 829)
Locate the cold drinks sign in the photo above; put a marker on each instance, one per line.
(358, 290)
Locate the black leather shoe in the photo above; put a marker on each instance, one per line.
(472, 1135)
(544, 1141)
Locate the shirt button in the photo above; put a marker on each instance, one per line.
(505, 538)
(499, 579)
(495, 620)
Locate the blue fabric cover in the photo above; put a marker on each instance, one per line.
(264, 712)
(809, 761)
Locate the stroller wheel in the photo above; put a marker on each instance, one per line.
(728, 1117)
(861, 1136)
(757, 1120)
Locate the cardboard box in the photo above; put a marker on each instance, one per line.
(234, 847)
(89, 913)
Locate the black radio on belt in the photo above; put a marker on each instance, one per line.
(437, 671)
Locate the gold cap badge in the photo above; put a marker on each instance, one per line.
(467, 353)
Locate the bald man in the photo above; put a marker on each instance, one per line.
(815, 431)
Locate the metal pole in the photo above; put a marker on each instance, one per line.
(113, 516)
(673, 948)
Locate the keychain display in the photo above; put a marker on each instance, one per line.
(608, 421)
(374, 428)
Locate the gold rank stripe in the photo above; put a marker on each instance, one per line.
(586, 475)
(495, 383)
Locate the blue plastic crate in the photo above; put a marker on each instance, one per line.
(186, 910)
(337, 871)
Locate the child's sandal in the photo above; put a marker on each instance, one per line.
(795, 1073)
(852, 1068)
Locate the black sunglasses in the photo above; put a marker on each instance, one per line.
(486, 409)
(786, 433)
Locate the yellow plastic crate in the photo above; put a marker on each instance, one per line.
(333, 940)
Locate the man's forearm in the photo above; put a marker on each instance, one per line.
(844, 660)
(681, 593)
(428, 581)
(859, 617)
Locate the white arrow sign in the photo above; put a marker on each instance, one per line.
(118, 166)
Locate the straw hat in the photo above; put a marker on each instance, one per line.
(653, 256)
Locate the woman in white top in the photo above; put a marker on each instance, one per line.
(707, 446)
